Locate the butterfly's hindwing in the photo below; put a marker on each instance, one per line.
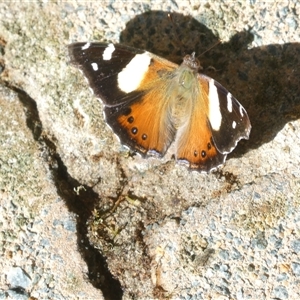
(194, 140)
(143, 123)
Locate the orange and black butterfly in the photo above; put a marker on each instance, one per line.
(151, 103)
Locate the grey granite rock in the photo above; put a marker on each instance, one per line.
(84, 218)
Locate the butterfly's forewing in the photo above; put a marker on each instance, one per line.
(101, 65)
(132, 85)
(228, 118)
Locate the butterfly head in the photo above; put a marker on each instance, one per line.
(192, 62)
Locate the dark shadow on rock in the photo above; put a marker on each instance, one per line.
(81, 204)
(264, 79)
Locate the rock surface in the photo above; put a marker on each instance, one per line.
(82, 218)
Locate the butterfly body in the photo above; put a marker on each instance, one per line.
(151, 103)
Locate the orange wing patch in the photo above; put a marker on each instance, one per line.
(196, 146)
(148, 129)
(158, 75)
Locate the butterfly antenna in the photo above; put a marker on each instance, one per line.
(214, 45)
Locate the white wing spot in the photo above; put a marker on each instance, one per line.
(229, 102)
(214, 114)
(233, 124)
(241, 110)
(108, 52)
(94, 66)
(132, 75)
(86, 46)
(91, 90)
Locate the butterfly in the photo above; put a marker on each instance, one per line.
(151, 103)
